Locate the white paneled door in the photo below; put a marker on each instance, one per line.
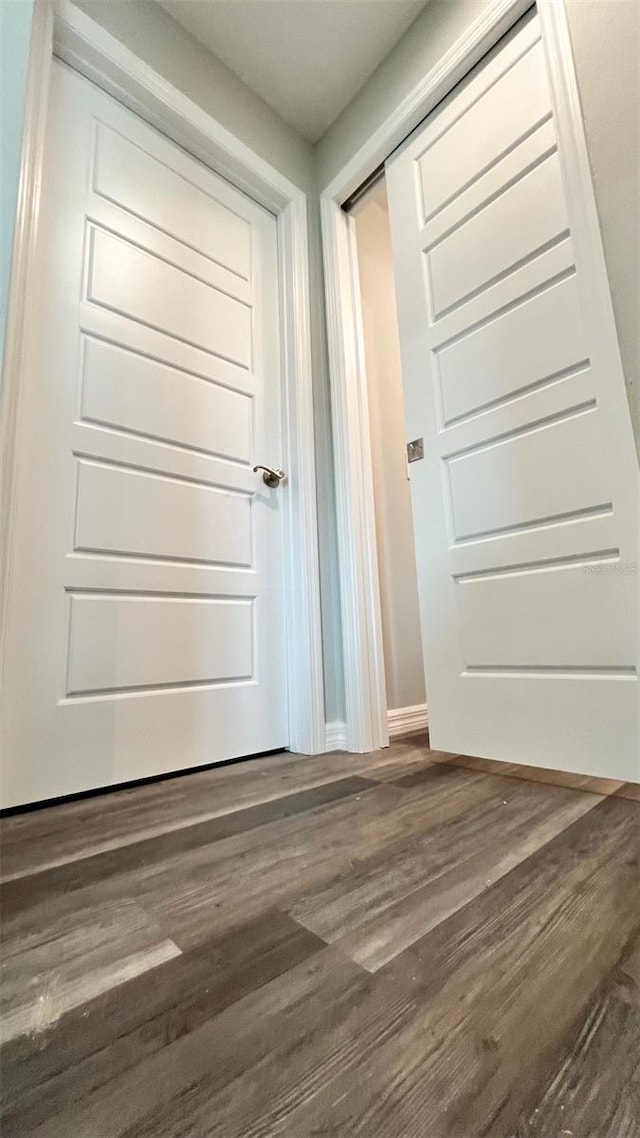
(146, 613)
(526, 503)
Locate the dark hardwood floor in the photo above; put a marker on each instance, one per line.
(399, 945)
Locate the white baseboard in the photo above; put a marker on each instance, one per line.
(335, 737)
(402, 720)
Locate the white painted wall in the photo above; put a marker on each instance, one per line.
(605, 36)
(404, 672)
(15, 34)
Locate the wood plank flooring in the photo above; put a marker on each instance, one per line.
(400, 945)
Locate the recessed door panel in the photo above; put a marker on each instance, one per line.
(502, 235)
(121, 643)
(142, 396)
(141, 513)
(178, 206)
(134, 283)
(492, 353)
(471, 142)
(530, 476)
(547, 616)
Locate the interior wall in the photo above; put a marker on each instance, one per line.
(15, 35)
(404, 673)
(152, 35)
(605, 36)
(430, 36)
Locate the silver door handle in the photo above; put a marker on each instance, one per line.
(270, 477)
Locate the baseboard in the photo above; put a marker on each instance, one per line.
(402, 720)
(335, 737)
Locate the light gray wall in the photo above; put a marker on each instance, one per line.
(15, 34)
(605, 36)
(150, 32)
(432, 34)
(403, 665)
(152, 35)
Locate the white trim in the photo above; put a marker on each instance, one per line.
(84, 45)
(402, 720)
(365, 691)
(365, 698)
(22, 271)
(335, 736)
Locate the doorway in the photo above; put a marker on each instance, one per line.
(395, 547)
(525, 488)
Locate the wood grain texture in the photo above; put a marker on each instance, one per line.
(497, 989)
(399, 945)
(94, 1046)
(372, 888)
(596, 1087)
(499, 846)
(60, 958)
(137, 856)
(45, 838)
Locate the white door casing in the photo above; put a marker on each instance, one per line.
(146, 618)
(526, 504)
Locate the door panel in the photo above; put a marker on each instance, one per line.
(496, 239)
(119, 642)
(544, 616)
(516, 103)
(129, 391)
(122, 173)
(494, 352)
(146, 615)
(144, 514)
(142, 286)
(526, 504)
(525, 477)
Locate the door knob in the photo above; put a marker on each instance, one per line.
(270, 477)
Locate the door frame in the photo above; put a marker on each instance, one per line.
(62, 30)
(367, 724)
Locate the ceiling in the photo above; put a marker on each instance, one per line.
(305, 58)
